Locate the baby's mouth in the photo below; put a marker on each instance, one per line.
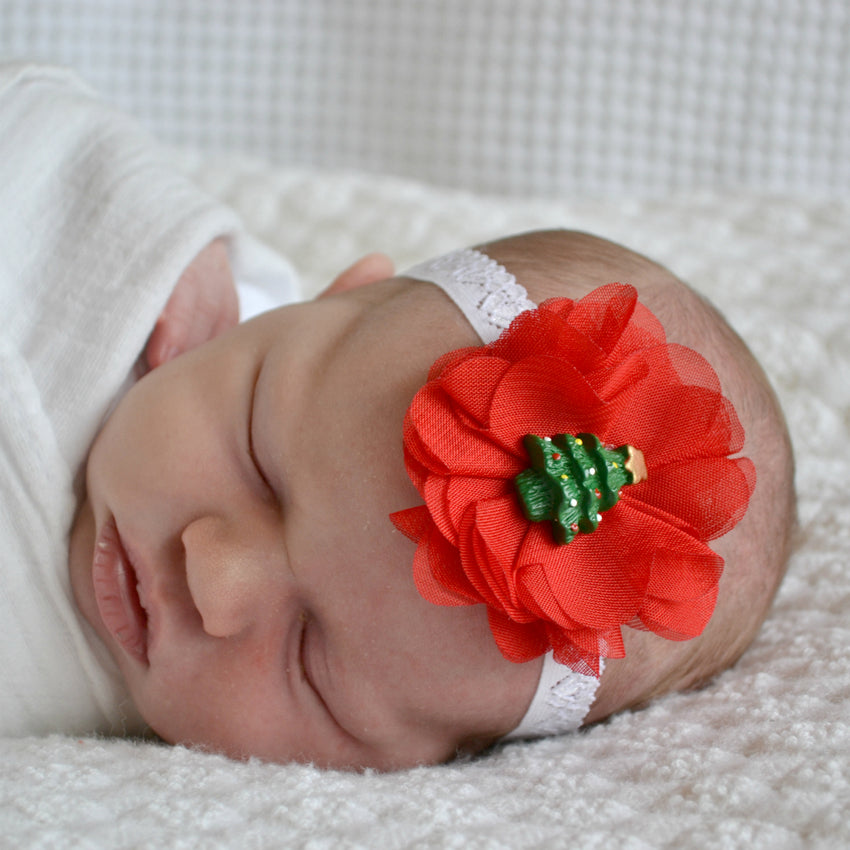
(117, 595)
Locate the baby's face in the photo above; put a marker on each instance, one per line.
(235, 554)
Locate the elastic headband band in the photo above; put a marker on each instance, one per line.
(560, 704)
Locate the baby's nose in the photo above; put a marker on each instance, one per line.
(227, 575)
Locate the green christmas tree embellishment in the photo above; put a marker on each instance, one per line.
(573, 479)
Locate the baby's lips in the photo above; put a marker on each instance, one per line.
(117, 598)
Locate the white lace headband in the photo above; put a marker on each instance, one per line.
(491, 297)
(560, 703)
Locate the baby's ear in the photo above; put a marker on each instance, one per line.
(368, 269)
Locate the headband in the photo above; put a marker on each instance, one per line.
(572, 470)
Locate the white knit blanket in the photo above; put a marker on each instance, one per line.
(758, 759)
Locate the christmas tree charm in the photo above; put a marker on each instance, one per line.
(573, 479)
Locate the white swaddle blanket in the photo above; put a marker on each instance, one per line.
(95, 230)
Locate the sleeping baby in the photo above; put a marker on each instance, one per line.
(506, 494)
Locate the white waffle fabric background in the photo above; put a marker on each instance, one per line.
(543, 97)
(758, 759)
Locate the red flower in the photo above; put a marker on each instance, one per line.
(600, 365)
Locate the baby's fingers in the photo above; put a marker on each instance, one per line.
(161, 346)
(203, 305)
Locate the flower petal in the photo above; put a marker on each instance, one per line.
(542, 396)
(682, 609)
(490, 543)
(518, 642)
(598, 581)
(562, 340)
(581, 649)
(470, 385)
(644, 415)
(448, 498)
(603, 314)
(439, 440)
(709, 494)
(437, 571)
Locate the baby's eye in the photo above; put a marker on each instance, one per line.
(306, 654)
(304, 617)
(313, 667)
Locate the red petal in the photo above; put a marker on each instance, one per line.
(449, 497)
(444, 444)
(412, 522)
(604, 313)
(710, 494)
(643, 332)
(470, 385)
(612, 381)
(685, 614)
(438, 574)
(428, 404)
(542, 396)
(434, 492)
(677, 563)
(682, 576)
(451, 357)
(418, 461)
(672, 423)
(492, 540)
(582, 648)
(546, 331)
(532, 331)
(598, 581)
(518, 642)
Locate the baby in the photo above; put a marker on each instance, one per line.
(249, 541)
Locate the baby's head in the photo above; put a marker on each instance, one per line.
(756, 550)
(235, 552)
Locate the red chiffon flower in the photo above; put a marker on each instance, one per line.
(599, 365)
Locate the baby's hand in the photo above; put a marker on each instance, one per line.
(203, 305)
